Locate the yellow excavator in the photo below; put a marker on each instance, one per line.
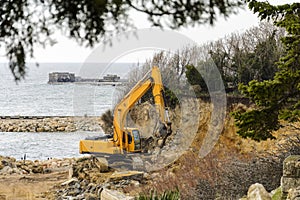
(125, 139)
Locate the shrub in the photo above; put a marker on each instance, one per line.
(107, 119)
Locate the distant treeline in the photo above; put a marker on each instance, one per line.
(239, 58)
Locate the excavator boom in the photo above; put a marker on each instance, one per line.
(124, 138)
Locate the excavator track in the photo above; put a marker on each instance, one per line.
(123, 161)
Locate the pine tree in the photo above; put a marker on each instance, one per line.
(279, 98)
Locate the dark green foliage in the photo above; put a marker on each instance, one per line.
(87, 20)
(264, 120)
(167, 195)
(277, 98)
(24, 24)
(19, 33)
(261, 63)
(171, 99)
(107, 119)
(194, 77)
(221, 58)
(179, 13)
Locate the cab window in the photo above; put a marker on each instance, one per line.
(136, 135)
(124, 137)
(129, 138)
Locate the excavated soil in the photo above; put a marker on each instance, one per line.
(33, 186)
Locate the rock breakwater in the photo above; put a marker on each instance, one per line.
(50, 124)
(9, 165)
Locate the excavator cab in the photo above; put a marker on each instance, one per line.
(131, 140)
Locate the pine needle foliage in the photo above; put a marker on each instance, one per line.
(278, 98)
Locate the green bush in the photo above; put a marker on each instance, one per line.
(107, 119)
(277, 194)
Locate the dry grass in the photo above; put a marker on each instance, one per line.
(230, 168)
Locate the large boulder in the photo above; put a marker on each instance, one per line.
(291, 166)
(126, 175)
(101, 163)
(258, 192)
(6, 170)
(107, 194)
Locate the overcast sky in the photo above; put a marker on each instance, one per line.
(67, 50)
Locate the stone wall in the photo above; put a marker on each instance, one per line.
(290, 183)
(291, 177)
(51, 124)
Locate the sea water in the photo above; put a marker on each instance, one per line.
(35, 97)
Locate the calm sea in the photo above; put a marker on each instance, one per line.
(35, 97)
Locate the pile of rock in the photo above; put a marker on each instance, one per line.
(257, 191)
(51, 124)
(10, 165)
(90, 178)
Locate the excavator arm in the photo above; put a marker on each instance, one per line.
(124, 106)
(133, 96)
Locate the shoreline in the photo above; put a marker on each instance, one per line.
(49, 123)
